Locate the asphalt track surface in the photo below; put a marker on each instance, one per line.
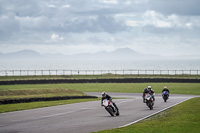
(84, 117)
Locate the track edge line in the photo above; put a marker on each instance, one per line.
(154, 113)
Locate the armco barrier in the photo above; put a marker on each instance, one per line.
(123, 80)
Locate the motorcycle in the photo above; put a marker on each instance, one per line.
(149, 101)
(165, 95)
(112, 109)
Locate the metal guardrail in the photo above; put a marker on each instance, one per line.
(96, 72)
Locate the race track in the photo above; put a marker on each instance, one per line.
(83, 117)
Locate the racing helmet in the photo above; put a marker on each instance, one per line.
(103, 94)
(149, 87)
(165, 87)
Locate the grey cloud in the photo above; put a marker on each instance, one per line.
(180, 7)
(8, 26)
(91, 24)
(80, 22)
(39, 15)
(107, 24)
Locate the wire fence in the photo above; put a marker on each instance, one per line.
(96, 72)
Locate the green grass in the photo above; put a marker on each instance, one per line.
(24, 106)
(183, 118)
(175, 88)
(47, 90)
(37, 77)
(39, 93)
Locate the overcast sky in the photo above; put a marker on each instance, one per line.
(164, 27)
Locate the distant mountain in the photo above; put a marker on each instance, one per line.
(103, 55)
(124, 51)
(119, 54)
(21, 54)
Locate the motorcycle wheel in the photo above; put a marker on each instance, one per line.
(117, 110)
(150, 105)
(117, 114)
(165, 98)
(109, 111)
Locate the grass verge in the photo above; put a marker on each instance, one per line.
(183, 118)
(38, 93)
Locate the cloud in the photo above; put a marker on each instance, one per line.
(183, 7)
(8, 26)
(109, 1)
(100, 24)
(56, 37)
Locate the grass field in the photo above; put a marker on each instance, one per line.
(175, 88)
(183, 118)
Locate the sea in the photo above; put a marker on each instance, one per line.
(94, 65)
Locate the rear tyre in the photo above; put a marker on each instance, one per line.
(117, 114)
(110, 111)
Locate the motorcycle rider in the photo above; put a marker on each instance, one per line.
(151, 91)
(108, 97)
(165, 89)
(144, 92)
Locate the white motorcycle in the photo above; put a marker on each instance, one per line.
(149, 101)
(112, 109)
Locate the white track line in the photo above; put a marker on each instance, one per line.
(153, 114)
